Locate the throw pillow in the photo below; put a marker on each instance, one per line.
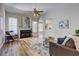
(70, 43)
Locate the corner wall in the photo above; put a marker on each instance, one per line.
(70, 12)
(2, 34)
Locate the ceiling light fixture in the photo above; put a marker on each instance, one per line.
(36, 12)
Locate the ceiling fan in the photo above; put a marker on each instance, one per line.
(37, 12)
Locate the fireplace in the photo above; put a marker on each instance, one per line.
(25, 33)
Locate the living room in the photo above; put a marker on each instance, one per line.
(34, 25)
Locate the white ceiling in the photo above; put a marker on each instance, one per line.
(39, 6)
(18, 7)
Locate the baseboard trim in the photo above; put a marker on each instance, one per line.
(1, 46)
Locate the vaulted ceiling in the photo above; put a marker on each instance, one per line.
(40, 6)
(46, 7)
(30, 6)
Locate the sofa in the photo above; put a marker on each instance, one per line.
(56, 49)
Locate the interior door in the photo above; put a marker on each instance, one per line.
(40, 31)
(34, 28)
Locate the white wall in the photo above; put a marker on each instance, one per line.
(2, 34)
(19, 17)
(70, 12)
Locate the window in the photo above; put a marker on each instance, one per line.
(13, 24)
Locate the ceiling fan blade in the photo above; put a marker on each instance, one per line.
(37, 10)
(40, 11)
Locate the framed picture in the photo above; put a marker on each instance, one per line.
(63, 24)
(26, 22)
(48, 24)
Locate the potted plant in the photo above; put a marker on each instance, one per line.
(77, 32)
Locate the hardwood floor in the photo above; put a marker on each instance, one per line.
(18, 48)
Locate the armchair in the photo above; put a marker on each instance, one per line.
(10, 36)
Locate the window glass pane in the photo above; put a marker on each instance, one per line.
(13, 24)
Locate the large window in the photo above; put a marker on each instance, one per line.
(13, 24)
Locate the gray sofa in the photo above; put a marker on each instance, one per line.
(61, 50)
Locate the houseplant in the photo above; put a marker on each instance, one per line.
(77, 32)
